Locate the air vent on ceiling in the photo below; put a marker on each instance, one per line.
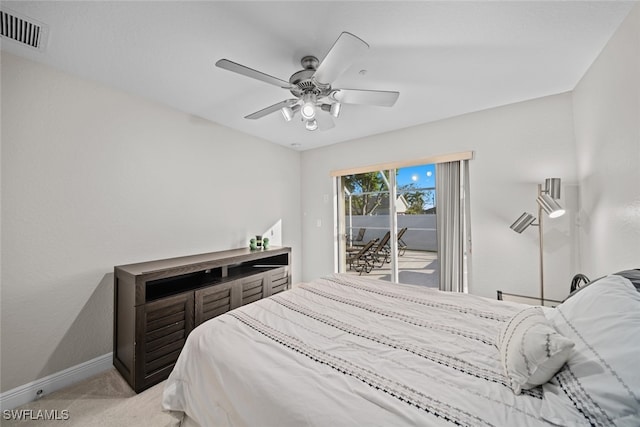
(23, 30)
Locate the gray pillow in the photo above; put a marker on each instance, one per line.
(632, 275)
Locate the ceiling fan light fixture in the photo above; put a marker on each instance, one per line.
(335, 109)
(287, 113)
(308, 109)
(311, 124)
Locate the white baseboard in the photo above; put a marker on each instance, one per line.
(29, 392)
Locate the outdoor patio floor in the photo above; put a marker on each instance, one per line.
(415, 268)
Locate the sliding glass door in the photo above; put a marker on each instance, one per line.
(416, 222)
(407, 222)
(386, 221)
(367, 228)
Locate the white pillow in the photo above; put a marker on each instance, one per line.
(531, 350)
(601, 381)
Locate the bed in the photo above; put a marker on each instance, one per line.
(353, 351)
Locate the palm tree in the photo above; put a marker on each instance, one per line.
(416, 198)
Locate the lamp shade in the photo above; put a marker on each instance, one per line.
(552, 187)
(550, 206)
(524, 221)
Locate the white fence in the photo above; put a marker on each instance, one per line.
(420, 235)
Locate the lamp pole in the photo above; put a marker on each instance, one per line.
(541, 241)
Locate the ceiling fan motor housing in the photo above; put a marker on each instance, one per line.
(302, 81)
(309, 62)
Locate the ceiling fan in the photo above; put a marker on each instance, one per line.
(312, 88)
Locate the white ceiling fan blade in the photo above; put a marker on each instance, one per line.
(271, 109)
(325, 122)
(347, 48)
(381, 98)
(250, 72)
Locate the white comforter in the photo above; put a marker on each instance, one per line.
(349, 351)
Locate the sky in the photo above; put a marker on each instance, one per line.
(423, 176)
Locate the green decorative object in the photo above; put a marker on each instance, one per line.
(265, 243)
(253, 244)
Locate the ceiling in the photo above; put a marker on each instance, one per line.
(445, 58)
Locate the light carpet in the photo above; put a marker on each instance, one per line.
(105, 400)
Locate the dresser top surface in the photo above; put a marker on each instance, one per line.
(230, 256)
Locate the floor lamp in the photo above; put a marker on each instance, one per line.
(548, 201)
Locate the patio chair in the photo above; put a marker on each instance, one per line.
(361, 260)
(359, 239)
(381, 253)
(402, 246)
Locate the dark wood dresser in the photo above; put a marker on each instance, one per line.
(157, 303)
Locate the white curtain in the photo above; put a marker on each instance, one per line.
(452, 224)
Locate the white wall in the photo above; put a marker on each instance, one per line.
(92, 178)
(607, 124)
(515, 146)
